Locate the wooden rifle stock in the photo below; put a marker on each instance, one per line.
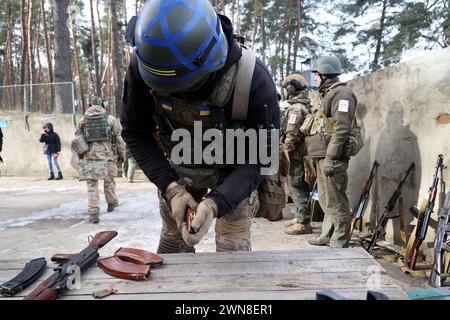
(43, 291)
(102, 238)
(414, 253)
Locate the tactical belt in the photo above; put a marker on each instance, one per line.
(27, 276)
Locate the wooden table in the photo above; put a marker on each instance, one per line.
(259, 275)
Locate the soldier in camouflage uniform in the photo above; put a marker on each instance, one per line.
(297, 110)
(328, 130)
(100, 162)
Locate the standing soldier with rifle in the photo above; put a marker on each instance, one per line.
(102, 132)
(298, 108)
(329, 130)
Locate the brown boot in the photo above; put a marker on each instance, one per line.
(299, 229)
(319, 241)
(290, 222)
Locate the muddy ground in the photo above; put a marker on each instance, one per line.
(40, 217)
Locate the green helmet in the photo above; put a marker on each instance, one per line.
(178, 44)
(96, 101)
(328, 65)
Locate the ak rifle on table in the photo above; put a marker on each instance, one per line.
(424, 218)
(62, 279)
(358, 210)
(388, 212)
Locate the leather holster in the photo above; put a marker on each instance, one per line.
(123, 269)
(139, 256)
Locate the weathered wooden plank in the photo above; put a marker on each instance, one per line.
(232, 283)
(275, 274)
(354, 294)
(238, 268)
(227, 257)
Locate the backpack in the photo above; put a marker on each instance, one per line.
(273, 191)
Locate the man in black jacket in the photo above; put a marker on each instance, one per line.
(184, 69)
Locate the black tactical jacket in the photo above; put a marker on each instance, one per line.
(139, 126)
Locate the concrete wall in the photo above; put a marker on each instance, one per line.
(23, 153)
(398, 111)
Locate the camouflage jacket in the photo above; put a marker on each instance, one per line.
(296, 112)
(327, 133)
(104, 150)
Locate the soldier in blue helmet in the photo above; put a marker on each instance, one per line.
(186, 66)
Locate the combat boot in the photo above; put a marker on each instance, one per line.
(52, 176)
(319, 241)
(299, 229)
(291, 222)
(94, 218)
(59, 177)
(111, 206)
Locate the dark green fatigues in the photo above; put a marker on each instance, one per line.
(329, 138)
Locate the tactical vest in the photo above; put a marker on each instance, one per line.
(319, 123)
(174, 113)
(96, 128)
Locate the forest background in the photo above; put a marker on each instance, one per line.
(52, 41)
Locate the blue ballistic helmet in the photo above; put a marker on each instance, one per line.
(178, 44)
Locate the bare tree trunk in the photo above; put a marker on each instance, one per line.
(8, 65)
(31, 100)
(255, 22)
(98, 89)
(63, 72)
(263, 36)
(25, 70)
(100, 33)
(49, 57)
(376, 58)
(40, 100)
(289, 26)
(283, 41)
(298, 26)
(126, 56)
(117, 55)
(76, 60)
(109, 67)
(24, 28)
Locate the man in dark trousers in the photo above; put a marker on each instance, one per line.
(185, 67)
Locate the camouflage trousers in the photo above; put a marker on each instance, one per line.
(232, 230)
(299, 191)
(334, 202)
(109, 187)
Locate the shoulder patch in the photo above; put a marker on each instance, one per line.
(343, 105)
(292, 119)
